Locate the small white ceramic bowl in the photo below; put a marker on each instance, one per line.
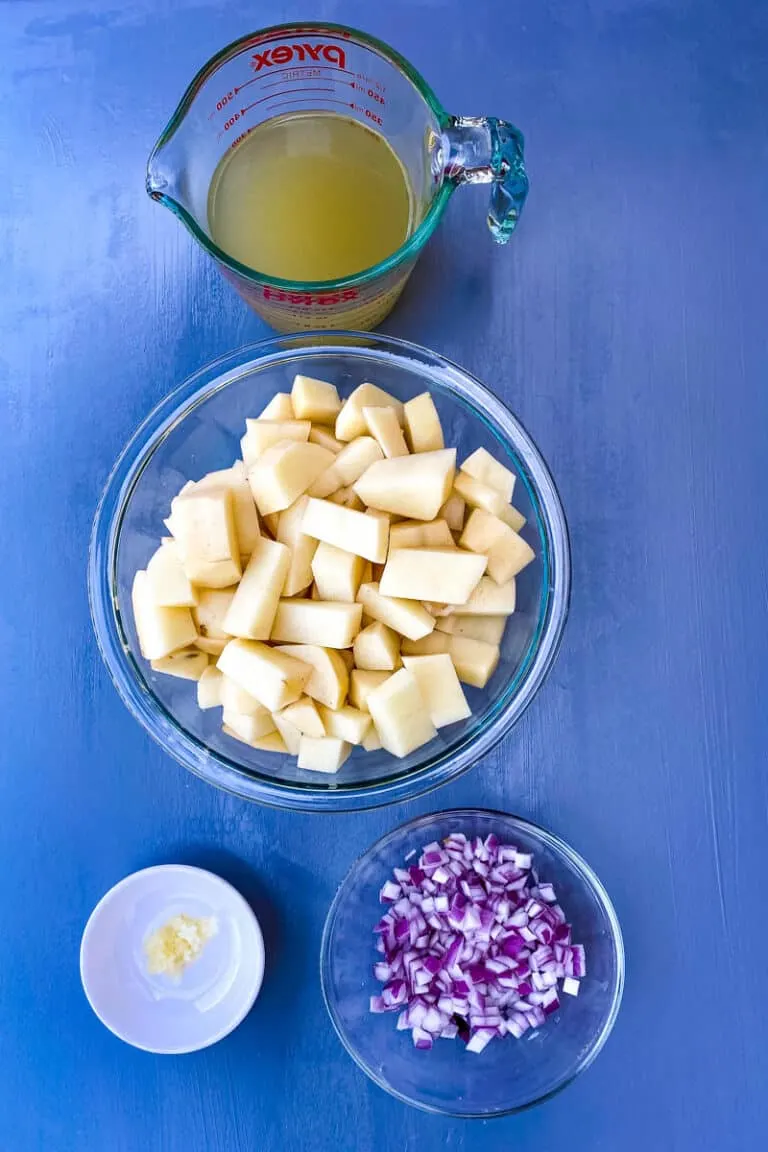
(155, 1012)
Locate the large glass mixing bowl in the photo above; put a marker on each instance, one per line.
(197, 428)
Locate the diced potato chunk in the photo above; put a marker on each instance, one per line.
(474, 660)
(254, 605)
(479, 495)
(160, 630)
(272, 742)
(285, 472)
(279, 408)
(350, 422)
(331, 625)
(329, 680)
(204, 525)
(315, 400)
(512, 517)
(337, 573)
(168, 582)
(428, 645)
(362, 683)
(453, 512)
(236, 699)
(324, 755)
(348, 657)
(274, 678)
(356, 457)
(377, 648)
(209, 688)
(271, 522)
(407, 534)
(189, 664)
(303, 714)
(413, 486)
(488, 628)
(437, 534)
(420, 534)
(210, 647)
(289, 532)
(289, 732)
(210, 611)
(371, 741)
(326, 439)
(400, 714)
(422, 424)
(404, 616)
(439, 685)
(507, 552)
(490, 599)
(248, 728)
(348, 466)
(383, 425)
(445, 575)
(326, 484)
(485, 468)
(243, 506)
(346, 723)
(348, 498)
(366, 536)
(262, 434)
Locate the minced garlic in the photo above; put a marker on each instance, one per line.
(178, 943)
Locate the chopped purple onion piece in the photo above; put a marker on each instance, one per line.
(474, 945)
(480, 1039)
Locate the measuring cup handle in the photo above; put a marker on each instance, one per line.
(484, 150)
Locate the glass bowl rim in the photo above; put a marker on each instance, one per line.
(191, 752)
(584, 871)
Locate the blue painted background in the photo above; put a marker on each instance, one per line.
(626, 325)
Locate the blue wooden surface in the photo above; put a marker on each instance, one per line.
(626, 326)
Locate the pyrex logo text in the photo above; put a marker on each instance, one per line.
(309, 298)
(285, 53)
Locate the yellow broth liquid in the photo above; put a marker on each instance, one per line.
(310, 196)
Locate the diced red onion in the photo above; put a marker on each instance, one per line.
(473, 945)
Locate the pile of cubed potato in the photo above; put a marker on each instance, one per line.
(337, 585)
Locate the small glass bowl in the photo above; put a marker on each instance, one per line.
(509, 1075)
(198, 428)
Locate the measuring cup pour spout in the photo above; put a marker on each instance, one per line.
(163, 173)
(484, 150)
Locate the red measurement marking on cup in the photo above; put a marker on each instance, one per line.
(297, 75)
(368, 113)
(371, 80)
(236, 116)
(285, 88)
(285, 103)
(314, 73)
(371, 93)
(277, 71)
(239, 139)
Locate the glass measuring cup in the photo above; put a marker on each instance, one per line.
(331, 68)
